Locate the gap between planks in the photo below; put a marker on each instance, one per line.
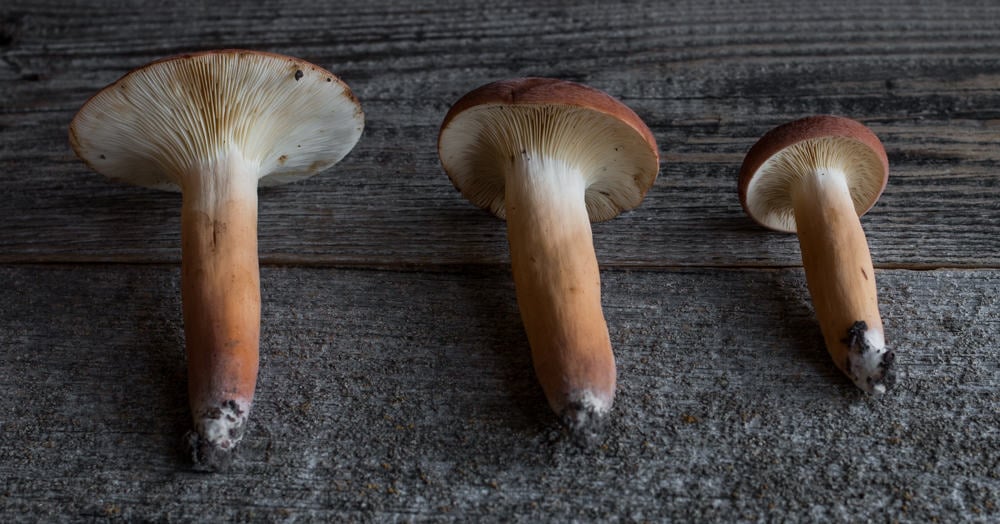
(447, 267)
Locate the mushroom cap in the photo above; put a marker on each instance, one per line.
(168, 119)
(793, 150)
(491, 126)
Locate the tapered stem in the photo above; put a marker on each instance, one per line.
(221, 295)
(559, 288)
(841, 278)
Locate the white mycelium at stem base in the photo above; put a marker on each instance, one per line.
(559, 285)
(814, 176)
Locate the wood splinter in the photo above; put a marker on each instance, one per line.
(816, 177)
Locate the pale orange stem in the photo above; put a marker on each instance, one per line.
(221, 295)
(558, 285)
(841, 278)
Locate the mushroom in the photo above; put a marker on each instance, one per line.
(816, 177)
(215, 125)
(551, 156)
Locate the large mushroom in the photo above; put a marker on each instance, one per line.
(216, 125)
(551, 156)
(816, 177)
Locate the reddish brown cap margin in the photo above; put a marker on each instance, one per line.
(534, 90)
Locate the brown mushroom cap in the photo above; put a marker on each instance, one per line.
(288, 118)
(488, 128)
(790, 151)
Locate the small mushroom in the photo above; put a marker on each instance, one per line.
(816, 177)
(551, 156)
(216, 125)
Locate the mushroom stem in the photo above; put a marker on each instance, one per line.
(558, 287)
(220, 281)
(841, 278)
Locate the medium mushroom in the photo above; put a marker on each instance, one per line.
(216, 125)
(551, 156)
(816, 177)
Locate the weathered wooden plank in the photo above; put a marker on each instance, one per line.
(400, 387)
(708, 80)
(361, 214)
(399, 395)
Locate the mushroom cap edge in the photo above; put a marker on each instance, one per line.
(812, 127)
(540, 91)
(148, 178)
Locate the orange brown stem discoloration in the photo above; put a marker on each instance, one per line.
(221, 294)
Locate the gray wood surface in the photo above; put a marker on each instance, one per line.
(399, 394)
(396, 382)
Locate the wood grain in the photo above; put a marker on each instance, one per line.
(399, 395)
(396, 383)
(708, 81)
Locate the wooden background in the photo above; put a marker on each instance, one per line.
(396, 382)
